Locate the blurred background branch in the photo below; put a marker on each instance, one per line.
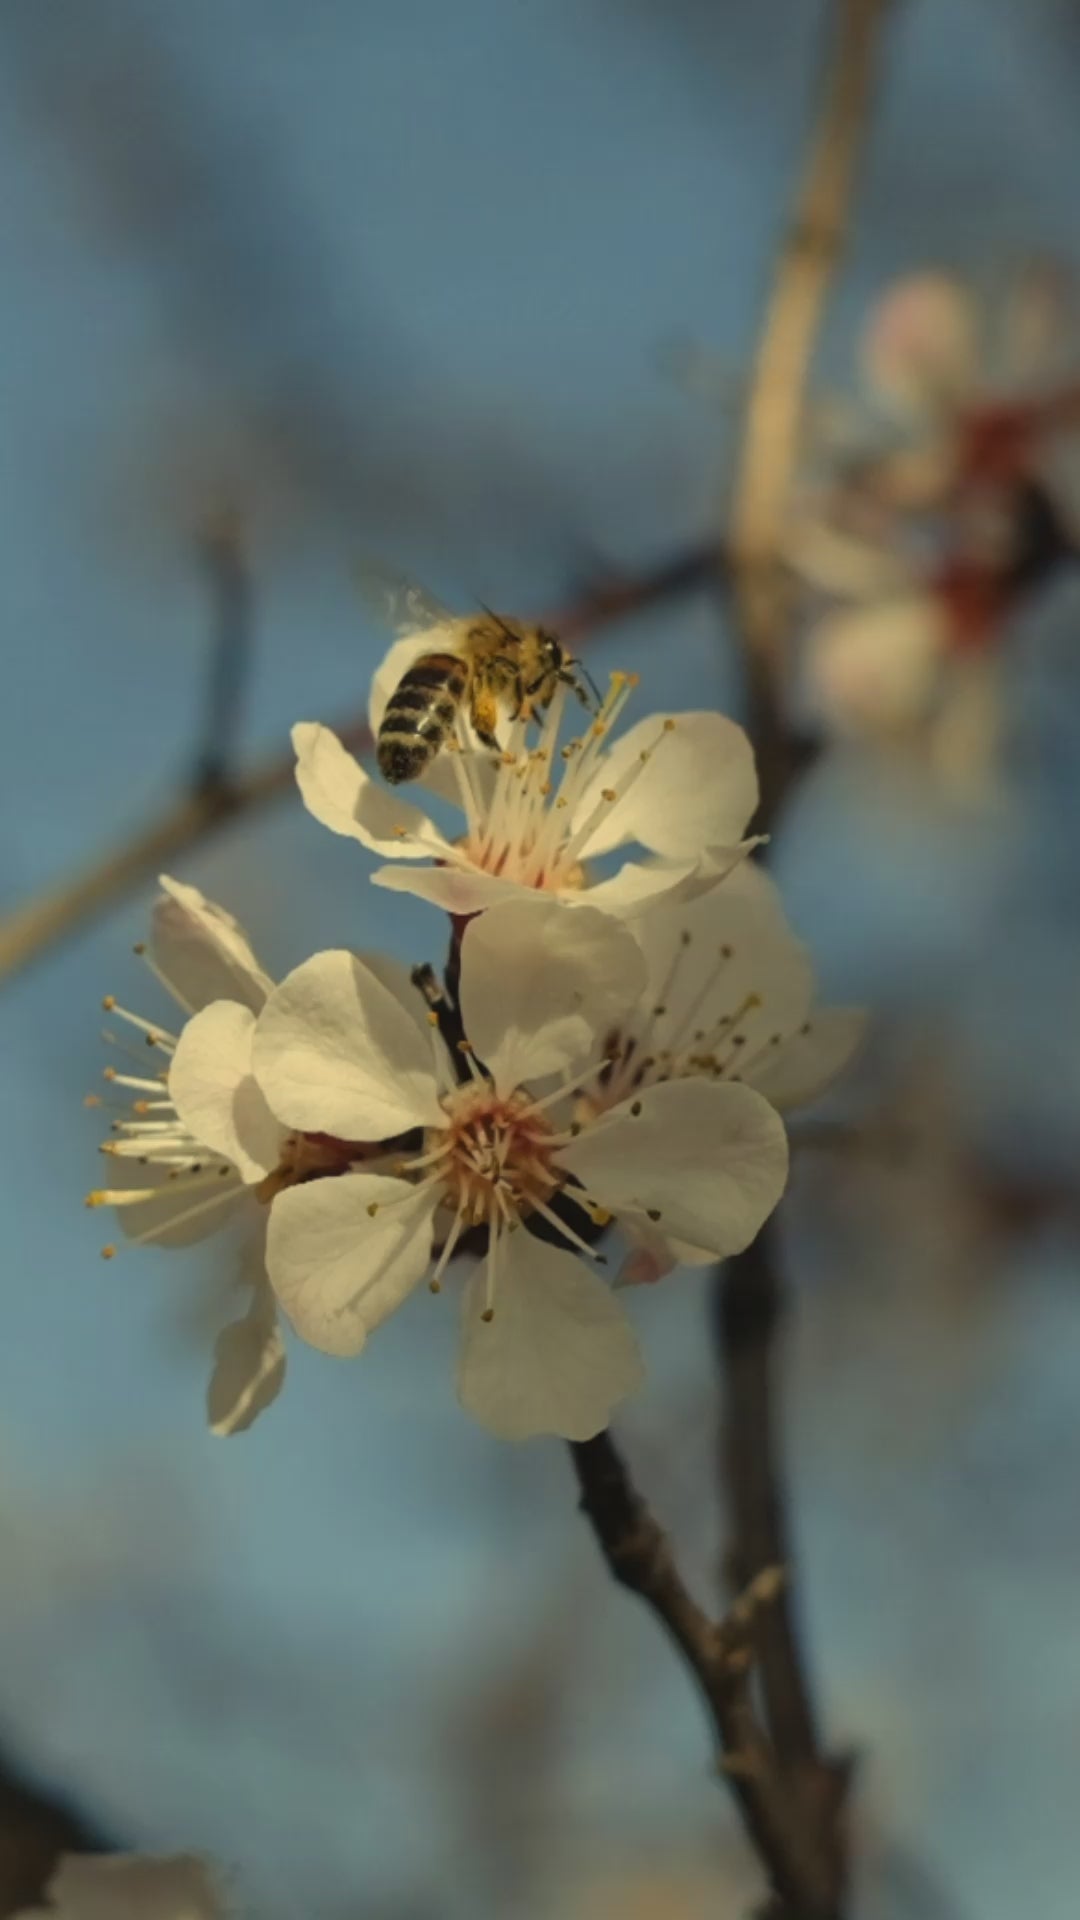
(776, 403)
(748, 1290)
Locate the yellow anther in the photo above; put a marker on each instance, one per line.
(433, 1018)
(96, 1199)
(109, 1073)
(400, 833)
(109, 1003)
(139, 948)
(434, 1286)
(373, 1208)
(607, 793)
(633, 679)
(108, 1252)
(669, 726)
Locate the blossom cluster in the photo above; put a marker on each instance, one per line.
(593, 1098)
(955, 498)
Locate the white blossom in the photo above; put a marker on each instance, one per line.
(682, 786)
(546, 1347)
(728, 998)
(197, 1139)
(130, 1886)
(921, 545)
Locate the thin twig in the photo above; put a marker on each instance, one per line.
(63, 910)
(37, 1826)
(718, 1658)
(749, 1304)
(807, 262)
(225, 562)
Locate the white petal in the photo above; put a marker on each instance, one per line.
(708, 1157)
(707, 960)
(202, 952)
(804, 1066)
(397, 981)
(131, 1886)
(457, 890)
(640, 886)
(649, 1257)
(178, 1215)
(215, 1093)
(336, 1052)
(698, 788)
(249, 1367)
(652, 1257)
(335, 788)
(921, 345)
(338, 1270)
(541, 987)
(559, 1353)
(877, 667)
(842, 563)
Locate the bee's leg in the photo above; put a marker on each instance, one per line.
(483, 712)
(513, 676)
(588, 695)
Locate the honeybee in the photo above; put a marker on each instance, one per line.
(477, 662)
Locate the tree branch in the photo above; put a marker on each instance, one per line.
(718, 1658)
(748, 1294)
(804, 271)
(37, 1826)
(749, 1306)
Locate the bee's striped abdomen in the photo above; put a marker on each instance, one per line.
(419, 715)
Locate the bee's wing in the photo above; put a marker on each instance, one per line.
(399, 603)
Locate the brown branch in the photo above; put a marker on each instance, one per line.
(748, 1296)
(804, 271)
(55, 914)
(718, 1658)
(37, 1826)
(749, 1305)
